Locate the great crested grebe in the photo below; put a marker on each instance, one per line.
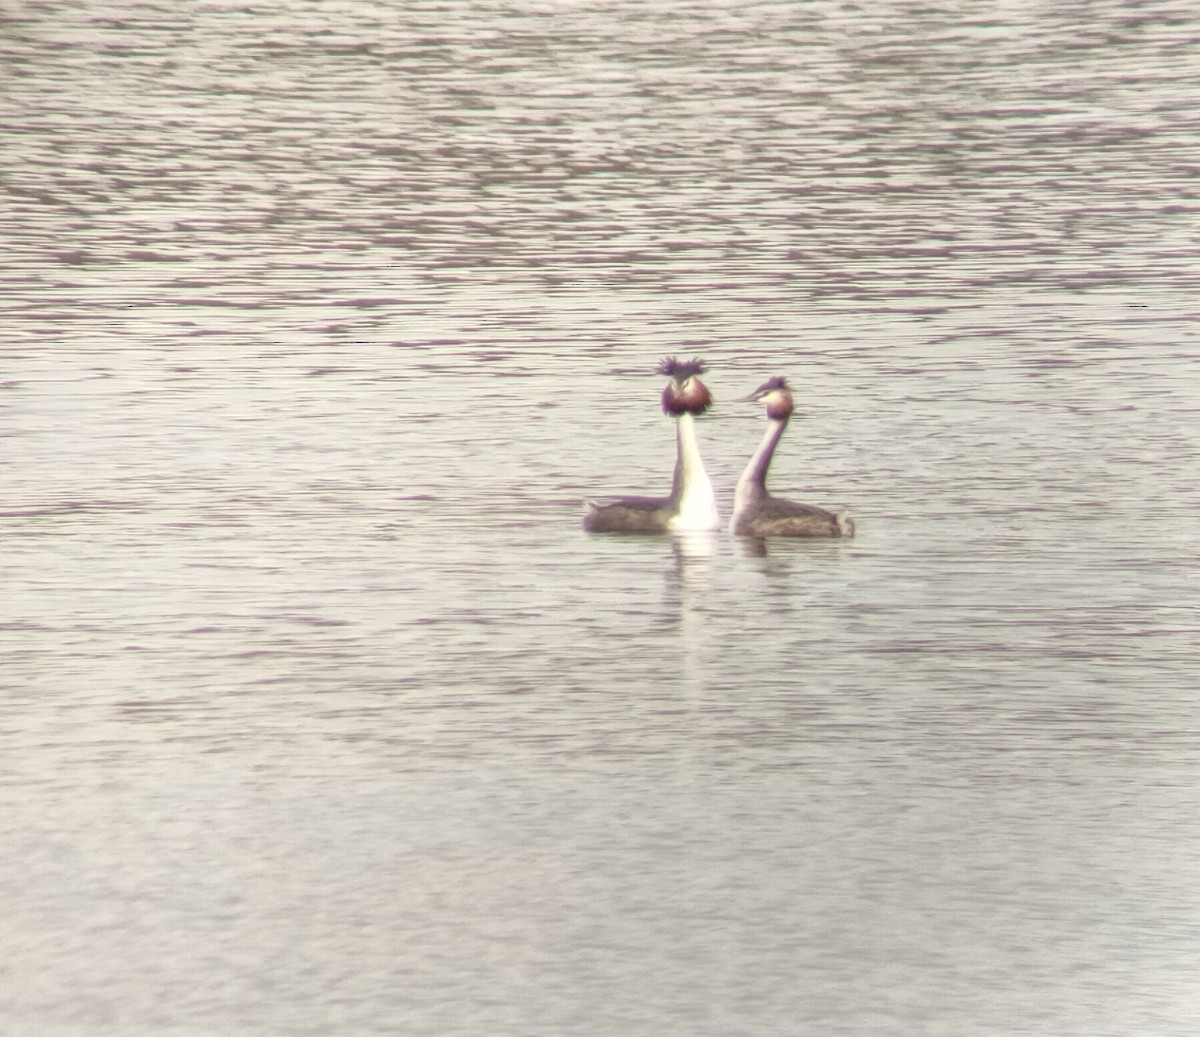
(755, 511)
(691, 506)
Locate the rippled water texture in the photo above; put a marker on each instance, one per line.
(319, 713)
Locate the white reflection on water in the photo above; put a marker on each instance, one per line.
(320, 712)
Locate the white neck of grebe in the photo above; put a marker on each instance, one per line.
(692, 491)
(752, 485)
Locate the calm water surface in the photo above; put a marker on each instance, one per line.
(321, 715)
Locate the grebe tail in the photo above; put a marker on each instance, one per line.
(755, 511)
(691, 504)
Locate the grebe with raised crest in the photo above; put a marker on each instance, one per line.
(755, 511)
(691, 505)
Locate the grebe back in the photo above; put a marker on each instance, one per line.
(755, 511)
(691, 504)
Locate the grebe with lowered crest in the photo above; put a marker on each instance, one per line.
(755, 511)
(691, 505)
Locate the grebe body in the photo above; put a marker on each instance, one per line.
(691, 505)
(755, 511)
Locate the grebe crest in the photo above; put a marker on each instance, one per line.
(776, 396)
(684, 393)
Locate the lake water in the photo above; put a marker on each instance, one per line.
(320, 713)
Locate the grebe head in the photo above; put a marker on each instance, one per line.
(775, 396)
(684, 393)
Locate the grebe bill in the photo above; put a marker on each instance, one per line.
(755, 511)
(691, 504)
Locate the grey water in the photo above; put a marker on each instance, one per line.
(320, 714)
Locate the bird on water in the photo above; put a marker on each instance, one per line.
(691, 504)
(755, 511)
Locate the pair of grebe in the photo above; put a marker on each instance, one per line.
(691, 504)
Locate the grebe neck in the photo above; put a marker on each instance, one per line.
(691, 492)
(753, 483)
